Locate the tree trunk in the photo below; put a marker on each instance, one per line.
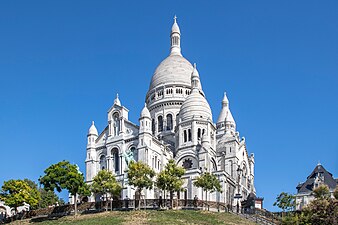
(75, 204)
(106, 202)
(165, 200)
(206, 199)
(139, 199)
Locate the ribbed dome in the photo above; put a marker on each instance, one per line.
(175, 69)
(195, 106)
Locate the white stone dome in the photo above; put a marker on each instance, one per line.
(93, 130)
(195, 106)
(175, 69)
(145, 112)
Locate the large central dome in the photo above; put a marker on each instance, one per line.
(175, 69)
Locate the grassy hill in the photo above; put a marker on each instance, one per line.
(149, 217)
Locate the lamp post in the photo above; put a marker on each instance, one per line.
(238, 195)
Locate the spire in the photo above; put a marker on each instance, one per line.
(117, 100)
(225, 119)
(195, 81)
(224, 110)
(225, 101)
(175, 37)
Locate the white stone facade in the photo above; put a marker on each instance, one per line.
(175, 123)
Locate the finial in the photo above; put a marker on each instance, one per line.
(145, 104)
(175, 17)
(194, 65)
(117, 100)
(319, 163)
(225, 93)
(93, 123)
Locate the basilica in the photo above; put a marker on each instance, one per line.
(175, 123)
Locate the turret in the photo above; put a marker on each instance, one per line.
(225, 121)
(145, 120)
(145, 134)
(92, 135)
(91, 152)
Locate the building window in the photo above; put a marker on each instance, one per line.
(135, 153)
(169, 122)
(185, 136)
(153, 126)
(189, 134)
(160, 123)
(199, 133)
(116, 160)
(103, 162)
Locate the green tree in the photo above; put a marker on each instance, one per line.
(285, 201)
(321, 192)
(169, 179)
(47, 197)
(140, 175)
(104, 183)
(323, 210)
(64, 175)
(209, 183)
(335, 193)
(17, 192)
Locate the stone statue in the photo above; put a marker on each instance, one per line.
(128, 156)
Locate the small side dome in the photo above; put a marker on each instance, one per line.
(92, 130)
(195, 106)
(145, 112)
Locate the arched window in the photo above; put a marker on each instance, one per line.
(115, 153)
(169, 122)
(116, 124)
(103, 162)
(153, 126)
(189, 134)
(160, 123)
(199, 133)
(135, 153)
(185, 136)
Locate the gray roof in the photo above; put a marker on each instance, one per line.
(308, 185)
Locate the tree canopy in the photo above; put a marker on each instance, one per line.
(285, 201)
(64, 175)
(208, 182)
(321, 192)
(104, 183)
(140, 175)
(17, 192)
(169, 179)
(48, 198)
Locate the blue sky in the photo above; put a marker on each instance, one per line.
(62, 63)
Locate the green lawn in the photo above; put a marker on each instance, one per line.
(149, 217)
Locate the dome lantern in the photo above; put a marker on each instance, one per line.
(175, 37)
